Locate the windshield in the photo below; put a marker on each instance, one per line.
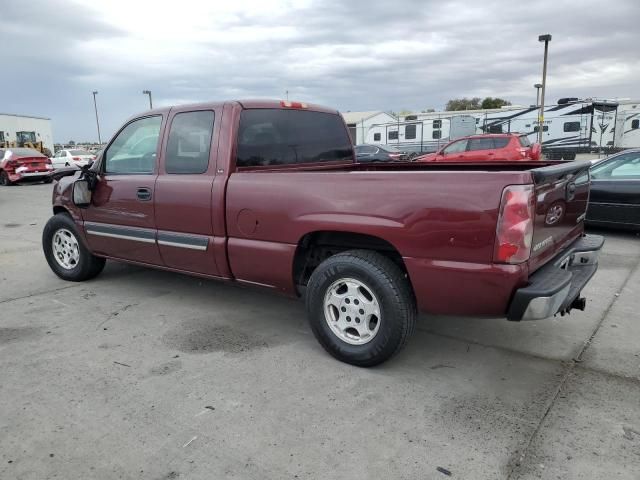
(524, 141)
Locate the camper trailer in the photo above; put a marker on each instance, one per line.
(627, 126)
(421, 133)
(569, 127)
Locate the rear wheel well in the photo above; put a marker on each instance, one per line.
(316, 247)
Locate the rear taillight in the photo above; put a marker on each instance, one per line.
(515, 225)
(395, 156)
(76, 159)
(12, 163)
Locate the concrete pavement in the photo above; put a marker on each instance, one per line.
(141, 374)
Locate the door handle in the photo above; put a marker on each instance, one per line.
(144, 194)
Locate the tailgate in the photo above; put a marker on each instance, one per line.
(562, 194)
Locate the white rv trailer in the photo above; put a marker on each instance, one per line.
(627, 127)
(571, 126)
(421, 135)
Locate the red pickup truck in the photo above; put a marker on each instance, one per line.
(268, 193)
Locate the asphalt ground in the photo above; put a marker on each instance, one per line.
(143, 374)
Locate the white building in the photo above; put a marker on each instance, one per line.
(360, 122)
(20, 129)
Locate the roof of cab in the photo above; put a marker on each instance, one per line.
(245, 104)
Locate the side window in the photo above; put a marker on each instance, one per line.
(410, 131)
(393, 135)
(189, 142)
(495, 128)
(545, 128)
(635, 124)
(456, 147)
(626, 166)
(437, 124)
(501, 142)
(134, 149)
(376, 137)
(436, 134)
(481, 144)
(571, 126)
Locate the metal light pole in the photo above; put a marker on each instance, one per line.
(148, 92)
(546, 39)
(537, 86)
(95, 107)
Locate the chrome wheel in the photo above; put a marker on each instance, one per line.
(65, 248)
(352, 311)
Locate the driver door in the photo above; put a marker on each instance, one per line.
(455, 151)
(120, 220)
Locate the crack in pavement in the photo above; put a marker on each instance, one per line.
(45, 292)
(571, 366)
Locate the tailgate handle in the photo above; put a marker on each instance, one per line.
(144, 194)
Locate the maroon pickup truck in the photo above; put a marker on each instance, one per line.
(268, 193)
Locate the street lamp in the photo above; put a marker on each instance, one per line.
(537, 86)
(148, 92)
(95, 107)
(546, 39)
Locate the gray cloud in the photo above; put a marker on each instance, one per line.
(356, 55)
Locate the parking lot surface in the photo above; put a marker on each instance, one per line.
(143, 374)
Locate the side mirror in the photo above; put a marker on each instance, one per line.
(81, 193)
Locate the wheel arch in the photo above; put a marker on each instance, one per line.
(316, 246)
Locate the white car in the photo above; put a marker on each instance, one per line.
(71, 158)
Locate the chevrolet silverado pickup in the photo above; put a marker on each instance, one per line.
(268, 193)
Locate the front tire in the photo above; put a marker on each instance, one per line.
(4, 179)
(65, 253)
(361, 307)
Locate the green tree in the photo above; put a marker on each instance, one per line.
(463, 104)
(494, 102)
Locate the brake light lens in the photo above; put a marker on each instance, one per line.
(395, 156)
(76, 159)
(288, 104)
(514, 232)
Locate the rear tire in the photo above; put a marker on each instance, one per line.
(361, 307)
(65, 253)
(4, 179)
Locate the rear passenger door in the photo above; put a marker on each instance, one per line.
(183, 199)
(479, 150)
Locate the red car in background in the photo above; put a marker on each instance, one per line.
(18, 164)
(487, 147)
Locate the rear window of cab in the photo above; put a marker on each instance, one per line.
(269, 136)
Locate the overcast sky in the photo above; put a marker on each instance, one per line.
(348, 54)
